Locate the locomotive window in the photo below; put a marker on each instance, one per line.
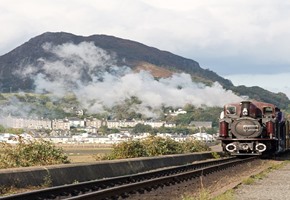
(268, 110)
(231, 110)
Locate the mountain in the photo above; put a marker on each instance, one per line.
(17, 73)
(130, 53)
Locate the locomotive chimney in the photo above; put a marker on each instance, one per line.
(245, 108)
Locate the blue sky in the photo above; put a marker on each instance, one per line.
(246, 41)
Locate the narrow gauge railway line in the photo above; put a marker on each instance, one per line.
(123, 186)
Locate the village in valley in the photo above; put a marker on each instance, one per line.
(87, 130)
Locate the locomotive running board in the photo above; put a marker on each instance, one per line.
(248, 139)
(246, 154)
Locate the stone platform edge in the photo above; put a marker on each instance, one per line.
(55, 175)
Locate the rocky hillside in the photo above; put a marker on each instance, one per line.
(21, 67)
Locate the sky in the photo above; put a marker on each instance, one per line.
(245, 41)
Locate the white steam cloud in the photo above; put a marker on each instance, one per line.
(110, 84)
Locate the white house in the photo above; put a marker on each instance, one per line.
(177, 112)
(76, 122)
(203, 136)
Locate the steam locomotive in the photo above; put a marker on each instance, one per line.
(253, 128)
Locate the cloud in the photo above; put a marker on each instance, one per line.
(219, 35)
(16, 107)
(110, 84)
(227, 37)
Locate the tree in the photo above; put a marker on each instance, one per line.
(104, 130)
(141, 128)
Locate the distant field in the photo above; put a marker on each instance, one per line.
(84, 152)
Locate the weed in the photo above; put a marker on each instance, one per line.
(228, 195)
(215, 155)
(249, 181)
(47, 181)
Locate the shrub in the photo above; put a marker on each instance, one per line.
(30, 153)
(154, 146)
(129, 149)
(191, 145)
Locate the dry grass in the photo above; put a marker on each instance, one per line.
(81, 158)
(79, 153)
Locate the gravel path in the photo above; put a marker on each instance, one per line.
(275, 186)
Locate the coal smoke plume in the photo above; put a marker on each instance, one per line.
(93, 76)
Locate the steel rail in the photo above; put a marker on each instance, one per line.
(132, 188)
(121, 185)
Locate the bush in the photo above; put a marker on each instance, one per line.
(154, 146)
(130, 149)
(30, 153)
(191, 145)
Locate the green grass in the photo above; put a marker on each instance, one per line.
(263, 174)
(228, 195)
(203, 194)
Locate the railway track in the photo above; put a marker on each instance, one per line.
(124, 186)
